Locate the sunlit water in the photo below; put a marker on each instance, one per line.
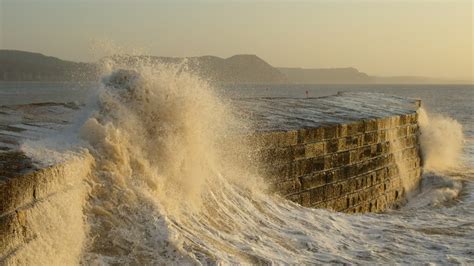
(145, 214)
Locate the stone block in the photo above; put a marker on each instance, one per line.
(329, 161)
(317, 194)
(394, 121)
(374, 206)
(348, 171)
(330, 204)
(353, 156)
(365, 153)
(332, 191)
(340, 204)
(412, 141)
(381, 174)
(403, 119)
(314, 149)
(298, 152)
(330, 132)
(288, 186)
(306, 199)
(278, 172)
(414, 118)
(343, 158)
(371, 125)
(355, 128)
(303, 167)
(318, 163)
(314, 180)
(267, 156)
(354, 199)
(338, 175)
(12, 233)
(402, 131)
(310, 135)
(371, 178)
(412, 129)
(383, 123)
(342, 144)
(345, 187)
(361, 182)
(352, 184)
(275, 138)
(374, 150)
(331, 146)
(353, 142)
(17, 192)
(387, 186)
(382, 136)
(341, 131)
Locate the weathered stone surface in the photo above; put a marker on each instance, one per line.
(349, 167)
(21, 199)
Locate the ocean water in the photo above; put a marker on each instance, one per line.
(161, 192)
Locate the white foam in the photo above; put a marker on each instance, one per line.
(163, 193)
(442, 141)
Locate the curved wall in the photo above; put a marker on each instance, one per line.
(36, 204)
(364, 166)
(359, 164)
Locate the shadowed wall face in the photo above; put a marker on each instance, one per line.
(365, 166)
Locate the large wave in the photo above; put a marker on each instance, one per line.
(159, 139)
(173, 184)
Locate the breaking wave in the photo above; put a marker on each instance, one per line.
(168, 187)
(442, 141)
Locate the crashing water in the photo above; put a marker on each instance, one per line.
(164, 190)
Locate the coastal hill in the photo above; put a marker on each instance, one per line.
(238, 69)
(27, 66)
(326, 76)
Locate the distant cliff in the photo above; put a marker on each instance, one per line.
(417, 80)
(237, 69)
(326, 75)
(27, 66)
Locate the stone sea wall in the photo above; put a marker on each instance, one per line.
(362, 166)
(352, 153)
(34, 204)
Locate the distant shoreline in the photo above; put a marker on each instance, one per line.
(244, 69)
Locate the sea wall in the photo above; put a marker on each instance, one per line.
(363, 166)
(352, 153)
(34, 204)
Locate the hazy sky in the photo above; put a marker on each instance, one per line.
(427, 38)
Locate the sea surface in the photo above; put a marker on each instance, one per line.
(236, 224)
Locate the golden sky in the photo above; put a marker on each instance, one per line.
(423, 38)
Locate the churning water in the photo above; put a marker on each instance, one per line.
(165, 190)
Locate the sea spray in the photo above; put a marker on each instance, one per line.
(157, 139)
(130, 224)
(441, 141)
